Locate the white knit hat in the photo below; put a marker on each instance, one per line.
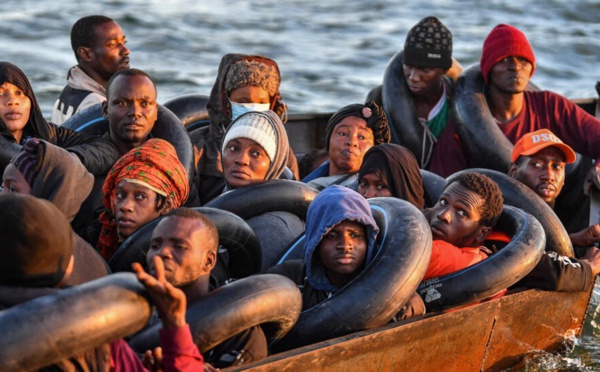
(256, 126)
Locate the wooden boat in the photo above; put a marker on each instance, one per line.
(490, 336)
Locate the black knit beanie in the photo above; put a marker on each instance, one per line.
(370, 112)
(428, 44)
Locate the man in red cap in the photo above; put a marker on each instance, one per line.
(538, 161)
(507, 64)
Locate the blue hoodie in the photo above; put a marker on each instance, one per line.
(332, 206)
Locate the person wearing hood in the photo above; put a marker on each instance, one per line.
(52, 173)
(40, 261)
(391, 170)
(21, 117)
(255, 149)
(146, 183)
(340, 243)
(350, 132)
(244, 83)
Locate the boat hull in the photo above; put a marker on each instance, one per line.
(489, 336)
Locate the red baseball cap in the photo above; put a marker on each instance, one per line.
(533, 142)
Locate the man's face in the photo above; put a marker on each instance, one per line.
(510, 75)
(456, 217)
(543, 172)
(342, 251)
(131, 109)
(109, 54)
(350, 140)
(179, 242)
(423, 81)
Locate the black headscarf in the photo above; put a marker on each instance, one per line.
(37, 125)
(398, 168)
(370, 112)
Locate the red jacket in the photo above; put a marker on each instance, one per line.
(447, 258)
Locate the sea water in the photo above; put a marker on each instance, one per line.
(330, 53)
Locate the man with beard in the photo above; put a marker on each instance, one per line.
(99, 46)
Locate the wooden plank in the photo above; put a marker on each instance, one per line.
(449, 342)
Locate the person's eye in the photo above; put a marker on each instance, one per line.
(362, 183)
(558, 167)
(232, 148)
(443, 202)
(121, 103)
(111, 44)
(19, 93)
(154, 246)
(382, 187)
(141, 196)
(119, 195)
(331, 235)
(355, 235)
(463, 213)
(341, 134)
(256, 154)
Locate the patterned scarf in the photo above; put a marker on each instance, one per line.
(155, 165)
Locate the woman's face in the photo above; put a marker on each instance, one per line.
(372, 185)
(14, 109)
(244, 162)
(134, 206)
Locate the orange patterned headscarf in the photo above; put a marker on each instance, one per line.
(155, 165)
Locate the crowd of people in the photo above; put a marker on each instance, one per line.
(69, 200)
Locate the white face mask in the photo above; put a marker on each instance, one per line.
(238, 109)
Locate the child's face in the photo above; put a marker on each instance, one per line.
(456, 217)
(342, 251)
(13, 181)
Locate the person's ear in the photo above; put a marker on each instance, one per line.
(85, 53)
(210, 261)
(167, 207)
(105, 109)
(512, 169)
(484, 232)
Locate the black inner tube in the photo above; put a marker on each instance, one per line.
(497, 272)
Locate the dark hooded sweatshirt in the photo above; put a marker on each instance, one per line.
(207, 140)
(64, 181)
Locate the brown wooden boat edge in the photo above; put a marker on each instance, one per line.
(493, 336)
